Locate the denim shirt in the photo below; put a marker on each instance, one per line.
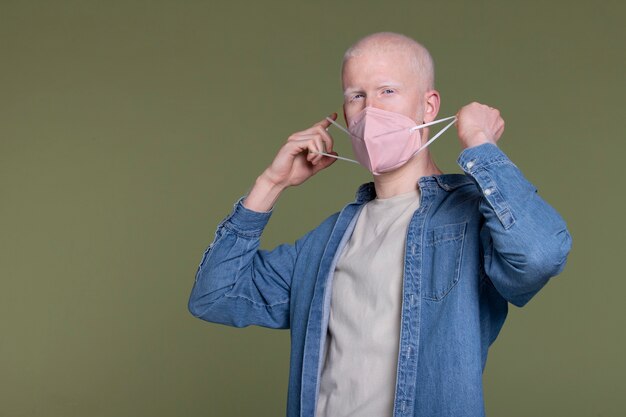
(476, 243)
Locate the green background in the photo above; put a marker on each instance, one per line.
(128, 129)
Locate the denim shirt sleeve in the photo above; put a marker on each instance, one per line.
(236, 283)
(525, 241)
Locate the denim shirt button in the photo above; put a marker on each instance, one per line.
(488, 191)
(470, 164)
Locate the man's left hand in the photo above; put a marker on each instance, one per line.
(477, 124)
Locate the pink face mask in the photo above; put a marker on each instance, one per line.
(383, 141)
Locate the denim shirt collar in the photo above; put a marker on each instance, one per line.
(448, 182)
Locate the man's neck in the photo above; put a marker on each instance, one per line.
(404, 179)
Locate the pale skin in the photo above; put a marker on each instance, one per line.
(384, 80)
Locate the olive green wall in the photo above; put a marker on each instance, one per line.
(128, 129)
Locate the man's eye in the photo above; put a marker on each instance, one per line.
(388, 91)
(357, 96)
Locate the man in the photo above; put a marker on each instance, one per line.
(393, 302)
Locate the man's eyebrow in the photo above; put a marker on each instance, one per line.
(350, 91)
(390, 84)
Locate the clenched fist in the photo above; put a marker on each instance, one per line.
(477, 124)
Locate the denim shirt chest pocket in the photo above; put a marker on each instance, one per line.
(444, 250)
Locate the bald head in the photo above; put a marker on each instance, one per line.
(383, 42)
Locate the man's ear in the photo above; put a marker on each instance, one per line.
(431, 105)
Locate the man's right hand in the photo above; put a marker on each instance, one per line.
(296, 161)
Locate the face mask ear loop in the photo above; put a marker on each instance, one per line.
(338, 125)
(432, 123)
(431, 140)
(336, 156)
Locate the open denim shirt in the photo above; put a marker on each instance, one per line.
(477, 242)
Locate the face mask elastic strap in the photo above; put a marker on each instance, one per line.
(431, 140)
(338, 125)
(434, 122)
(336, 157)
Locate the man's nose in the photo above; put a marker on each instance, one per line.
(372, 102)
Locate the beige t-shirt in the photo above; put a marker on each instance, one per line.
(361, 353)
